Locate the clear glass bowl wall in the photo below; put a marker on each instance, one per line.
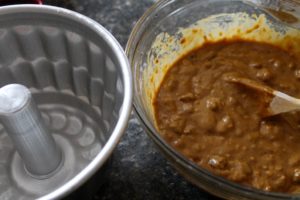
(169, 16)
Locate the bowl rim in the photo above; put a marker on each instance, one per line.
(125, 110)
(248, 191)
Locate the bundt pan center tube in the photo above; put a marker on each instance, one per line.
(66, 94)
(25, 126)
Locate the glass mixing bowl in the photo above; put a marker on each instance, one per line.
(165, 24)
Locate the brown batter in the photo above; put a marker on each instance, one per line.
(218, 124)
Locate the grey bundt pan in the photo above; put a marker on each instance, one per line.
(79, 77)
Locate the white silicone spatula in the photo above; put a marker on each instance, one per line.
(279, 101)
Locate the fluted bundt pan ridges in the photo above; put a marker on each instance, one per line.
(77, 80)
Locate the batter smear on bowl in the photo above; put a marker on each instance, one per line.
(220, 126)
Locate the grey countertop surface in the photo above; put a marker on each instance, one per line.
(138, 170)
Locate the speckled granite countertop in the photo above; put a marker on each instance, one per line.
(138, 170)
